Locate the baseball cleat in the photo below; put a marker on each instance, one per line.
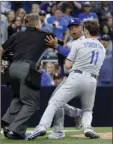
(91, 135)
(77, 120)
(56, 135)
(37, 132)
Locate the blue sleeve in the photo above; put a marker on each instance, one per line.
(63, 51)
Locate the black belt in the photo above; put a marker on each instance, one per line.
(92, 75)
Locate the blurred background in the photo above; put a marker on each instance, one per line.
(55, 17)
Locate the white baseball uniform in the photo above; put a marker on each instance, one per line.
(87, 56)
(58, 123)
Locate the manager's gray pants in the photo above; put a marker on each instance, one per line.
(76, 84)
(58, 122)
(25, 100)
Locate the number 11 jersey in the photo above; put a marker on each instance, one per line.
(87, 55)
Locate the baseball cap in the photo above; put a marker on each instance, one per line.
(74, 21)
(86, 4)
(104, 37)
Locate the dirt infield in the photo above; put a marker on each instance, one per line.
(106, 135)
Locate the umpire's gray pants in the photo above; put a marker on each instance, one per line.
(25, 100)
(76, 84)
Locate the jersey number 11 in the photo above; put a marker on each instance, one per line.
(94, 57)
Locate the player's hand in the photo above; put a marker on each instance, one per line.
(51, 42)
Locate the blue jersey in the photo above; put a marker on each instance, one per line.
(61, 26)
(88, 16)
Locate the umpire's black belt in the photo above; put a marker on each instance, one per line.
(81, 72)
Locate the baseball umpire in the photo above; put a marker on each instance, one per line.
(85, 60)
(28, 48)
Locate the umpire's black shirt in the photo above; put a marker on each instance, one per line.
(27, 45)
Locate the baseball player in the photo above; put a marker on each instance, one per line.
(85, 60)
(58, 123)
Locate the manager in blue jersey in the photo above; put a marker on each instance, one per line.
(75, 33)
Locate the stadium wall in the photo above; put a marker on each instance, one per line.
(103, 108)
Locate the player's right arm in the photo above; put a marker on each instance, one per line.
(53, 42)
(63, 51)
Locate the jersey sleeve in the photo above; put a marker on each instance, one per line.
(63, 51)
(72, 53)
(9, 44)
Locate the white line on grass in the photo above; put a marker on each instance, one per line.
(28, 131)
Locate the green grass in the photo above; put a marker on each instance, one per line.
(67, 140)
